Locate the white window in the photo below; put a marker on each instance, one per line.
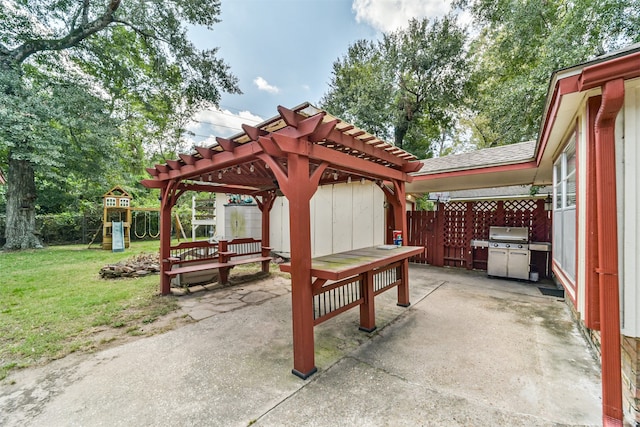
(564, 212)
(110, 202)
(124, 202)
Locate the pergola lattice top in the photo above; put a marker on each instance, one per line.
(244, 163)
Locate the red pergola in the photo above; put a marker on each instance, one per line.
(292, 153)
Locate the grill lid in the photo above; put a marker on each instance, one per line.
(509, 234)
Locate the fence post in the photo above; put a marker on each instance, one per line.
(468, 233)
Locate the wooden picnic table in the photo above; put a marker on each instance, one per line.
(353, 278)
(345, 264)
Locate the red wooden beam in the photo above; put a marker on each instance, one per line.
(412, 167)
(231, 189)
(290, 117)
(188, 159)
(369, 149)
(252, 132)
(153, 183)
(307, 126)
(174, 164)
(318, 152)
(270, 147)
(322, 131)
(205, 152)
(226, 144)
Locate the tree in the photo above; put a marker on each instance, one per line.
(519, 46)
(407, 86)
(48, 45)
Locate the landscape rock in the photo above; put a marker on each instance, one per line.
(136, 266)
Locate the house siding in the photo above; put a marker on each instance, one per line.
(628, 159)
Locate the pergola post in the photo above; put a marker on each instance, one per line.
(396, 199)
(166, 205)
(265, 206)
(400, 219)
(299, 190)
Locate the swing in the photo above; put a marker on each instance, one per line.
(135, 226)
(158, 233)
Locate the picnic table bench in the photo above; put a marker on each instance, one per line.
(194, 257)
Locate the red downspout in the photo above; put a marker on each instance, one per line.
(591, 280)
(612, 100)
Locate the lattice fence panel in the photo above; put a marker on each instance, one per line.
(484, 216)
(455, 230)
(541, 224)
(520, 213)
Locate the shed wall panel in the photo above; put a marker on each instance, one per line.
(379, 217)
(342, 218)
(362, 217)
(322, 222)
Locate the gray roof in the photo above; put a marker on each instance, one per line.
(495, 156)
(510, 192)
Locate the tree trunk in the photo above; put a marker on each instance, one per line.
(20, 230)
(400, 131)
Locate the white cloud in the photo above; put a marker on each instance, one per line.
(391, 15)
(264, 85)
(207, 124)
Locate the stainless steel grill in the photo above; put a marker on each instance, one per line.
(509, 254)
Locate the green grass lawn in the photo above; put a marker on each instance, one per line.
(53, 302)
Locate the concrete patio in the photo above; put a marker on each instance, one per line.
(470, 350)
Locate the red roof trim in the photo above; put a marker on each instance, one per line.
(625, 67)
(563, 87)
(477, 171)
(591, 76)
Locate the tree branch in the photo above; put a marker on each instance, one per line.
(4, 50)
(139, 30)
(75, 35)
(85, 12)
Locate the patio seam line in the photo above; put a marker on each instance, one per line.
(372, 335)
(447, 393)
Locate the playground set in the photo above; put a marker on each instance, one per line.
(119, 219)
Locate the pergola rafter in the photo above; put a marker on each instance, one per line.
(294, 152)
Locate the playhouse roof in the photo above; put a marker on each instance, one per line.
(116, 191)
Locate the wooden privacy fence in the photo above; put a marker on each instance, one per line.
(447, 233)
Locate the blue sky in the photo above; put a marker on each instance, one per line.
(282, 51)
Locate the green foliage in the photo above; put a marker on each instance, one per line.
(406, 87)
(86, 88)
(519, 46)
(360, 88)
